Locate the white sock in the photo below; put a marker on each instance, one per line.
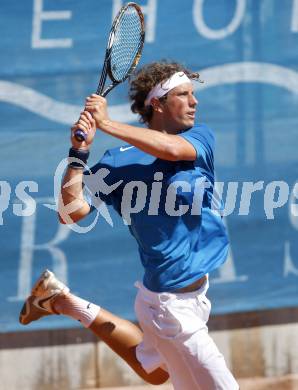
(77, 308)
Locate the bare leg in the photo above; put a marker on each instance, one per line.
(120, 335)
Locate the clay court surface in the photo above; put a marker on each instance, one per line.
(289, 382)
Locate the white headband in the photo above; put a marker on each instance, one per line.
(164, 87)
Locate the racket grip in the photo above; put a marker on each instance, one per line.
(80, 136)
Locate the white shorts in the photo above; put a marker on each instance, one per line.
(176, 338)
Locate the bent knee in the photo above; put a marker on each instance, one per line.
(157, 377)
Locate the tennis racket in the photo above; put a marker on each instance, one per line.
(123, 52)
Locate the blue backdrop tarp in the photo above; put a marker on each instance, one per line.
(51, 53)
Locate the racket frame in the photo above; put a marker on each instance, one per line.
(106, 70)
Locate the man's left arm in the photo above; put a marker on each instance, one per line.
(161, 145)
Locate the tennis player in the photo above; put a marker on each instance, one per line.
(180, 238)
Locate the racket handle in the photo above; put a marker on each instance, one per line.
(80, 136)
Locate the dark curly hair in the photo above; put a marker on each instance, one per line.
(146, 78)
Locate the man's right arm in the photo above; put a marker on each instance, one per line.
(72, 205)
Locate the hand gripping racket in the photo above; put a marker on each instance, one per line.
(123, 51)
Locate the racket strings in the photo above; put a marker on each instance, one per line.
(126, 43)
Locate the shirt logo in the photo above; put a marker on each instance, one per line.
(124, 148)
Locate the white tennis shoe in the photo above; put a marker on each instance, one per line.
(43, 294)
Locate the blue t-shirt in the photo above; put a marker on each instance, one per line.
(168, 207)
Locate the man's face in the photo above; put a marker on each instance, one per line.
(179, 108)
